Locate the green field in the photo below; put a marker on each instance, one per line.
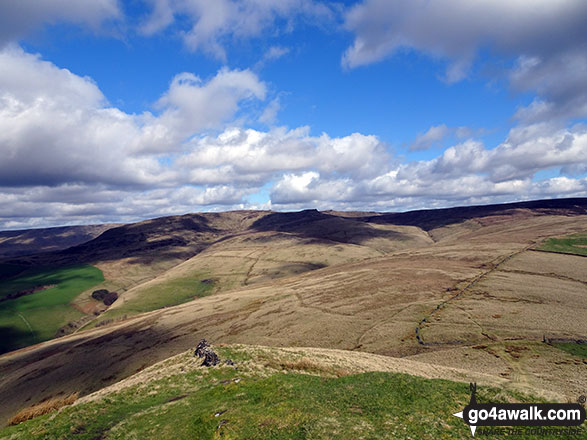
(256, 401)
(162, 294)
(572, 244)
(36, 317)
(572, 348)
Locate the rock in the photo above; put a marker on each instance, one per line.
(202, 345)
(210, 358)
(203, 350)
(109, 298)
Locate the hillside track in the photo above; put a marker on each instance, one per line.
(464, 290)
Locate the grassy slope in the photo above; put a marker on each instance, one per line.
(572, 244)
(165, 294)
(37, 317)
(263, 396)
(579, 350)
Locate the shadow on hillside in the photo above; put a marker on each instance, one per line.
(312, 224)
(161, 239)
(428, 219)
(12, 339)
(84, 364)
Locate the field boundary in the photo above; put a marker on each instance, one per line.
(461, 292)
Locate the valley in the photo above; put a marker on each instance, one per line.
(462, 294)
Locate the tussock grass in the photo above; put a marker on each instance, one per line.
(306, 366)
(42, 408)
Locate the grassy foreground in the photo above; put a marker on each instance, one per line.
(575, 244)
(263, 396)
(36, 317)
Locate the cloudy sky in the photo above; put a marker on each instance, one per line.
(115, 111)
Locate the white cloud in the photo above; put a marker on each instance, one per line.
(547, 38)
(254, 156)
(68, 156)
(434, 134)
(269, 115)
(457, 28)
(56, 127)
(465, 173)
(192, 106)
(210, 22)
(20, 17)
(275, 52)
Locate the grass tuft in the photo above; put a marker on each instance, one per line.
(42, 408)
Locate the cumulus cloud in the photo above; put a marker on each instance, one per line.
(438, 133)
(192, 106)
(465, 173)
(210, 22)
(560, 81)
(69, 156)
(269, 115)
(56, 127)
(247, 155)
(434, 134)
(218, 172)
(457, 28)
(547, 38)
(18, 18)
(275, 52)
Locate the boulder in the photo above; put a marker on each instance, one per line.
(203, 350)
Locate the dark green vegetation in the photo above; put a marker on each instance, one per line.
(253, 401)
(44, 304)
(572, 348)
(572, 244)
(164, 294)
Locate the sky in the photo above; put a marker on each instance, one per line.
(118, 111)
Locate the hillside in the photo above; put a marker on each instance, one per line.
(34, 241)
(273, 393)
(469, 289)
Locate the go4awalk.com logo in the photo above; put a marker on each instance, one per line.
(521, 414)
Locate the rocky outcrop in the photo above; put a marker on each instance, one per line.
(203, 350)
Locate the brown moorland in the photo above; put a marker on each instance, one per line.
(457, 288)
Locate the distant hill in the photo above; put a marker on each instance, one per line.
(434, 218)
(34, 241)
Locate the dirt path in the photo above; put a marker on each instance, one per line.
(461, 292)
(250, 271)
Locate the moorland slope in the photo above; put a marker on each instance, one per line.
(464, 288)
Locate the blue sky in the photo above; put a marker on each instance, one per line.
(117, 111)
